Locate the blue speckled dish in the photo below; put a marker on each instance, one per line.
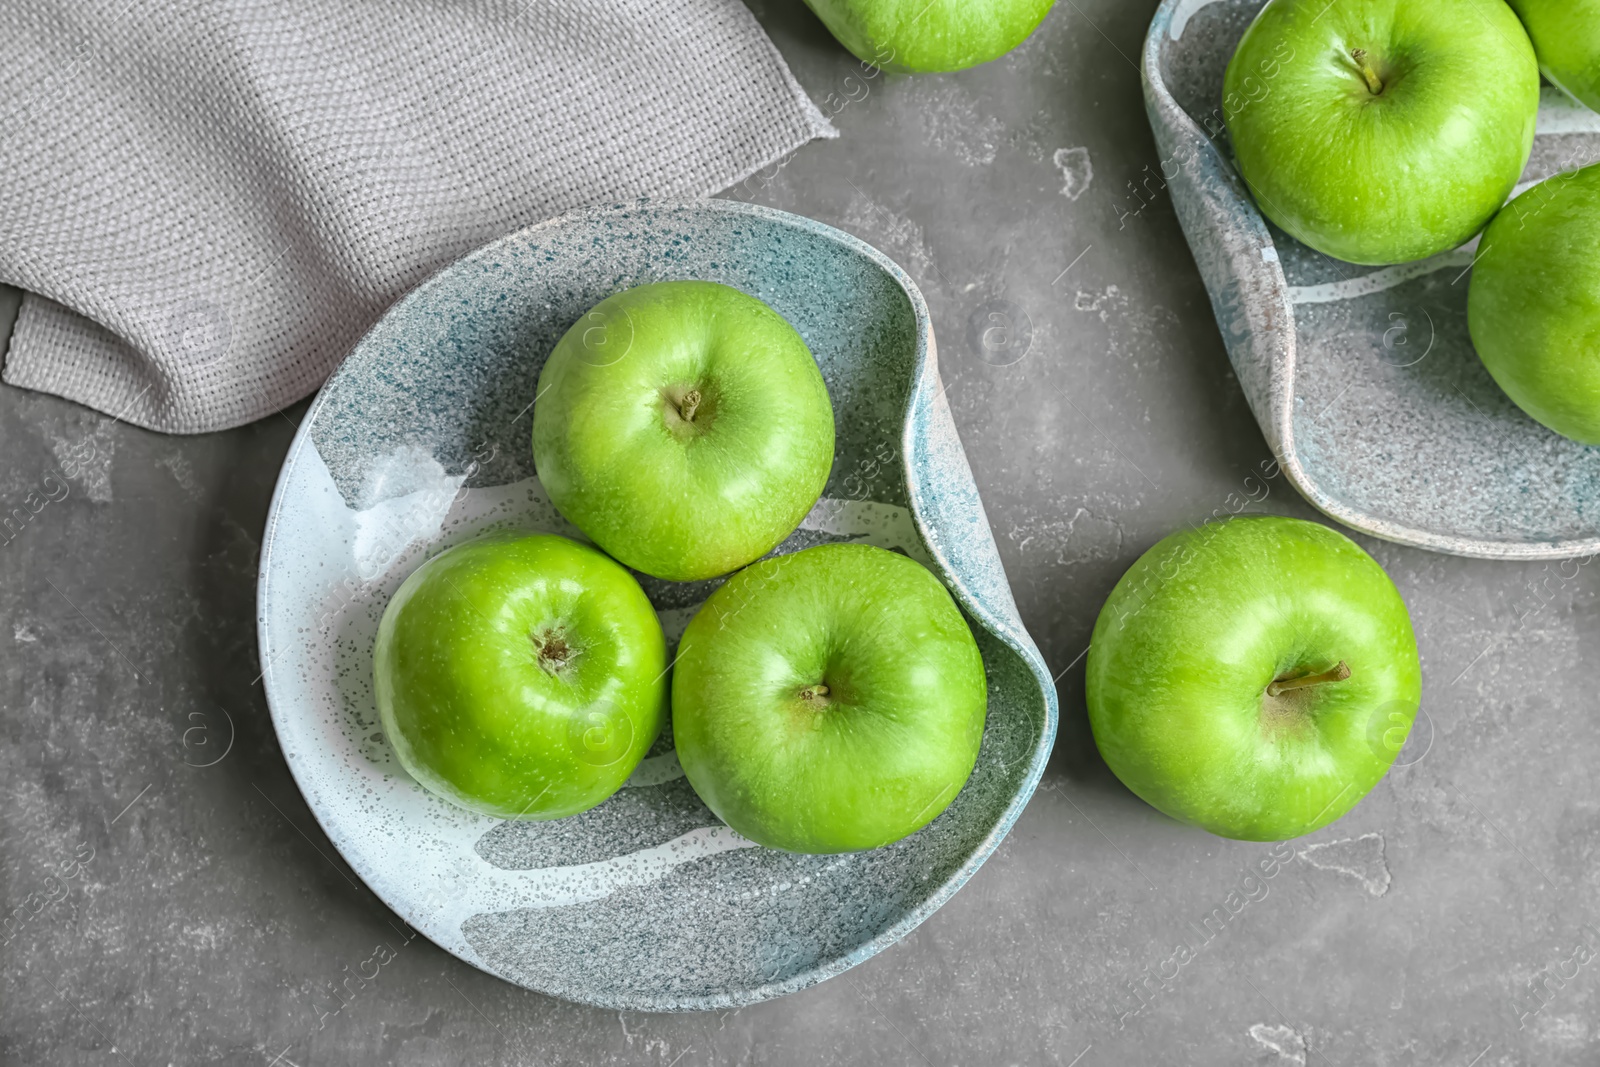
(422, 439)
(1364, 380)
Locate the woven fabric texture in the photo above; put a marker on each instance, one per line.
(207, 202)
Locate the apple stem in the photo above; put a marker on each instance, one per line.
(1334, 674)
(691, 403)
(1374, 83)
(814, 692)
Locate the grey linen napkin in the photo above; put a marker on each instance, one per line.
(209, 201)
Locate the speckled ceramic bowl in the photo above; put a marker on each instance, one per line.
(1364, 380)
(422, 439)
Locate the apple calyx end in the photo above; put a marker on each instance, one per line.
(1368, 74)
(1334, 674)
(552, 650)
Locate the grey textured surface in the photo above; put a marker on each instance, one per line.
(211, 917)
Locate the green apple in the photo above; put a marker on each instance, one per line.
(521, 675)
(1382, 131)
(829, 701)
(1566, 37)
(1238, 670)
(921, 36)
(1534, 304)
(684, 427)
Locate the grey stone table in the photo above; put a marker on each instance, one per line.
(193, 914)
